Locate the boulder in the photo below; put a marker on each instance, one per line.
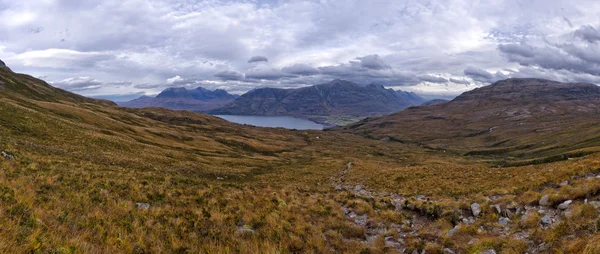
(475, 209)
(544, 201)
(563, 184)
(490, 251)
(565, 205)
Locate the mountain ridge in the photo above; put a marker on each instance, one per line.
(180, 98)
(338, 98)
(507, 118)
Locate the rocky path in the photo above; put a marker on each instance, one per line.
(508, 216)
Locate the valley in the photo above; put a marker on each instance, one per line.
(85, 175)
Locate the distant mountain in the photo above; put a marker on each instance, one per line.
(180, 98)
(433, 102)
(522, 118)
(337, 98)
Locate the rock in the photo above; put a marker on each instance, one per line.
(453, 231)
(219, 178)
(497, 209)
(245, 229)
(339, 187)
(143, 206)
(565, 205)
(421, 198)
(504, 220)
(448, 251)
(544, 201)
(595, 204)
(563, 184)
(546, 220)
(490, 251)
(475, 209)
(358, 187)
(7, 155)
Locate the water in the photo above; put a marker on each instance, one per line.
(287, 122)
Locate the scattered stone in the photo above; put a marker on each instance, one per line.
(358, 187)
(544, 201)
(448, 251)
(245, 229)
(497, 209)
(339, 187)
(490, 251)
(546, 220)
(453, 231)
(475, 209)
(7, 155)
(421, 198)
(504, 220)
(565, 205)
(143, 206)
(219, 178)
(563, 184)
(595, 204)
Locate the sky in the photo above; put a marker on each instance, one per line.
(122, 49)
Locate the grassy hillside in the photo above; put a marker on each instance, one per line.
(91, 177)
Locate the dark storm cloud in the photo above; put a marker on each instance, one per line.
(258, 59)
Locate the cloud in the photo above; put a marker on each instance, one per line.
(258, 59)
(432, 79)
(588, 33)
(301, 69)
(86, 83)
(174, 79)
(230, 75)
(264, 71)
(460, 81)
(373, 62)
(62, 59)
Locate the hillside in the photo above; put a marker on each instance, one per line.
(81, 175)
(324, 103)
(180, 98)
(515, 120)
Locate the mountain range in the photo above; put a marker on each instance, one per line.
(322, 103)
(180, 98)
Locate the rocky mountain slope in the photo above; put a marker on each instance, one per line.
(180, 98)
(337, 98)
(514, 118)
(80, 175)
